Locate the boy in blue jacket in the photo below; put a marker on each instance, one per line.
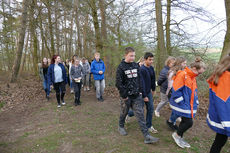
(147, 75)
(98, 70)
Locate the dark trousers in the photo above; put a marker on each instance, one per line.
(60, 91)
(138, 108)
(218, 143)
(185, 124)
(77, 91)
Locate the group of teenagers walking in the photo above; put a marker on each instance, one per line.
(76, 73)
(136, 83)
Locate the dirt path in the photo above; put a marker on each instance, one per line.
(39, 126)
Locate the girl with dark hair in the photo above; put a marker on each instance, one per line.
(76, 73)
(45, 80)
(71, 63)
(218, 117)
(57, 76)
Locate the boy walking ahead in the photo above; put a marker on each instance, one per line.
(148, 82)
(129, 86)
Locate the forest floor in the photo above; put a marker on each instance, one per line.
(30, 123)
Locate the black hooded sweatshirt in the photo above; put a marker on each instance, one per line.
(128, 80)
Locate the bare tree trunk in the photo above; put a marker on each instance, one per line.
(106, 54)
(85, 29)
(50, 27)
(33, 22)
(161, 51)
(18, 58)
(96, 26)
(56, 27)
(226, 47)
(168, 40)
(71, 36)
(119, 33)
(24, 57)
(78, 28)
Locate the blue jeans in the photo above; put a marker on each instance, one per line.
(149, 108)
(130, 113)
(149, 112)
(71, 84)
(173, 117)
(46, 85)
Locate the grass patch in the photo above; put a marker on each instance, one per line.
(50, 142)
(2, 103)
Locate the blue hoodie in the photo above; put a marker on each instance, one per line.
(97, 66)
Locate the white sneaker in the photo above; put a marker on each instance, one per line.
(59, 106)
(157, 114)
(178, 140)
(63, 103)
(88, 89)
(71, 91)
(178, 119)
(186, 144)
(151, 129)
(127, 119)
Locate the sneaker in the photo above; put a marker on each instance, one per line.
(151, 129)
(178, 140)
(63, 103)
(127, 119)
(150, 139)
(178, 119)
(157, 114)
(186, 144)
(171, 125)
(88, 89)
(59, 106)
(99, 99)
(71, 91)
(122, 131)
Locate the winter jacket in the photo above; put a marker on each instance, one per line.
(184, 99)
(147, 80)
(128, 80)
(51, 76)
(86, 68)
(218, 117)
(163, 80)
(97, 66)
(76, 72)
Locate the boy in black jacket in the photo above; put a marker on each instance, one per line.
(129, 86)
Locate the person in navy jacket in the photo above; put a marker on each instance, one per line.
(184, 99)
(218, 117)
(58, 78)
(98, 70)
(147, 75)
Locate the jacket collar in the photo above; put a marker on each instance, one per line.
(167, 67)
(190, 72)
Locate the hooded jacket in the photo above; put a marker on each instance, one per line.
(163, 79)
(184, 99)
(218, 117)
(128, 80)
(97, 66)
